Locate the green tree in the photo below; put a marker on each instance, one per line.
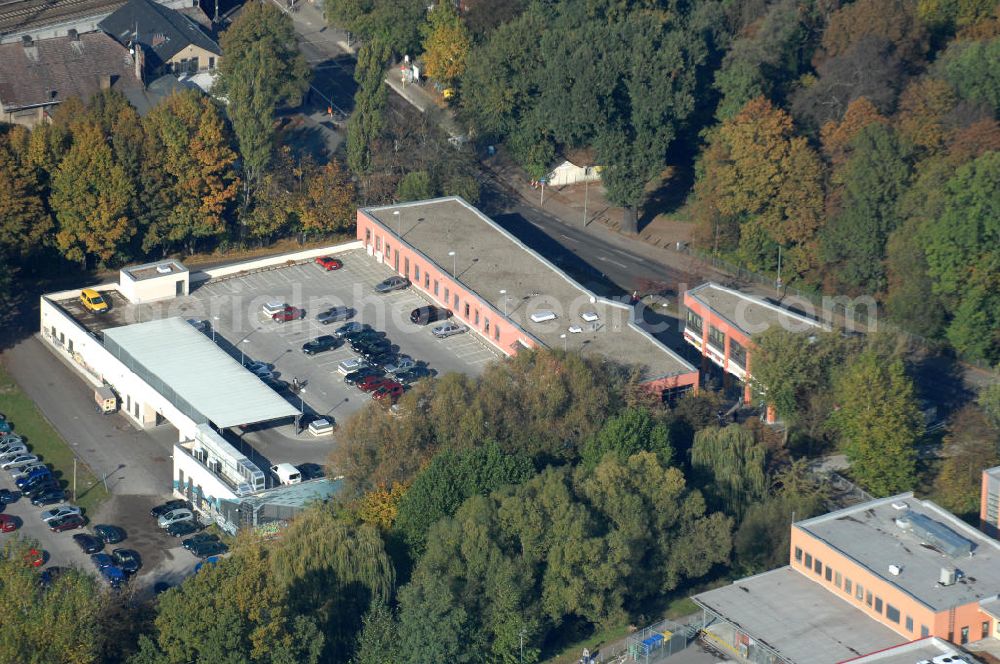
(47, 625)
(333, 571)
(261, 70)
(963, 258)
(330, 201)
(395, 22)
(629, 432)
(878, 422)
(465, 186)
(972, 443)
(450, 479)
(379, 640)
(989, 401)
(229, 613)
(91, 195)
(972, 68)
(735, 463)
(415, 186)
(446, 43)
(365, 125)
(875, 177)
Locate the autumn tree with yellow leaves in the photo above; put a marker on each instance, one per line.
(446, 43)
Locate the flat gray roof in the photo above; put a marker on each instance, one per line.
(489, 259)
(869, 535)
(797, 618)
(750, 314)
(195, 373)
(149, 270)
(914, 652)
(296, 495)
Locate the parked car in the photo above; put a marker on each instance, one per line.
(273, 307)
(373, 383)
(208, 548)
(391, 284)
(50, 574)
(321, 427)
(108, 533)
(414, 374)
(389, 392)
(287, 314)
(19, 461)
(101, 560)
(14, 451)
(381, 358)
(93, 301)
(128, 560)
(114, 575)
(174, 504)
(275, 383)
(43, 486)
(320, 344)
(35, 557)
(448, 329)
(8, 523)
(348, 328)
(27, 470)
(70, 522)
(198, 539)
(10, 442)
(350, 366)
(174, 516)
(200, 324)
(355, 377)
(88, 543)
(335, 314)
(7, 496)
(329, 263)
(59, 512)
(50, 497)
(31, 477)
(428, 314)
(403, 363)
(182, 528)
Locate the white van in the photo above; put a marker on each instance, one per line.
(287, 473)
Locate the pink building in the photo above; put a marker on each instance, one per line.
(508, 294)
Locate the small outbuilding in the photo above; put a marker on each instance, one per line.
(154, 281)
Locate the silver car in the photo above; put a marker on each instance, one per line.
(59, 512)
(391, 284)
(448, 329)
(334, 314)
(19, 461)
(175, 516)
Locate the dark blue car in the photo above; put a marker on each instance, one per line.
(33, 477)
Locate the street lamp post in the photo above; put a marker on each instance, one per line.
(242, 354)
(215, 320)
(399, 225)
(563, 337)
(504, 293)
(454, 264)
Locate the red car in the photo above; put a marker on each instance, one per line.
(288, 313)
(69, 522)
(390, 392)
(329, 263)
(35, 558)
(372, 383)
(8, 523)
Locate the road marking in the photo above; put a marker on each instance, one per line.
(566, 237)
(608, 260)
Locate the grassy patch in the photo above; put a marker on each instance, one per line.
(680, 608)
(571, 654)
(46, 443)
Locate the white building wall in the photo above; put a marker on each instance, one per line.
(197, 483)
(151, 290)
(141, 402)
(569, 173)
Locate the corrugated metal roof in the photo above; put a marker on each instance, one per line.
(200, 372)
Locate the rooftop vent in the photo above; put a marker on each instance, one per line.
(947, 576)
(542, 316)
(26, 40)
(895, 570)
(900, 505)
(935, 533)
(164, 269)
(73, 34)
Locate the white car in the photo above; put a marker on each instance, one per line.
(448, 329)
(10, 442)
(175, 516)
(59, 512)
(19, 461)
(351, 365)
(321, 427)
(13, 451)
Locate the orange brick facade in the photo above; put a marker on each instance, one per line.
(707, 340)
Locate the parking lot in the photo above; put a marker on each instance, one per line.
(233, 306)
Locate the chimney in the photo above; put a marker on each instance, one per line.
(140, 60)
(105, 81)
(73, 35)
(26, 41)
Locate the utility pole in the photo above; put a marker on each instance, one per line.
(586, 195)
(520, 635)
(777, 284)
(542, 204)
(74, 478)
